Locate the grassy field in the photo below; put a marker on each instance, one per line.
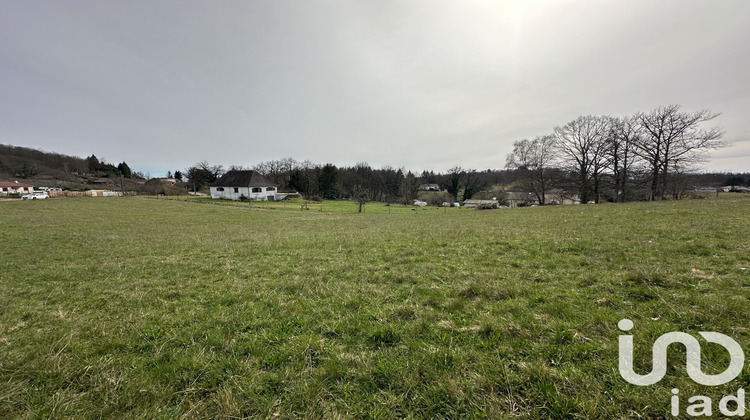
(160, 308)
(325, 206)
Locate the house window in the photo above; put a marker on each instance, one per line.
(257, 190)
(220, 189)
(236, 190)
(270, 189)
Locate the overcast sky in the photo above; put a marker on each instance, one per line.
(416, 84)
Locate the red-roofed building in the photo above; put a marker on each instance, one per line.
(15, 187)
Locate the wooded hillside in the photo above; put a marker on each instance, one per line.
(24, 162)
(27, 163)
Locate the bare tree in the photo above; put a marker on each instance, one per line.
(582, 149)
(624, 133)
(534, 158)
(202, 174)
(680, 177)
(277, 171)
(674, 139)
(361, 197)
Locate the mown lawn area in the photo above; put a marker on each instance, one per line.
(157, 308)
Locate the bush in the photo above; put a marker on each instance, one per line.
(174, 190)
(437, 199)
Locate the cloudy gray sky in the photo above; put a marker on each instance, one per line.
(417, 84)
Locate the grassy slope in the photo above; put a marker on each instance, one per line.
(159, 308)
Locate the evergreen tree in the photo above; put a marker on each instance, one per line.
(93, 163)
(327, 181)
(124, 169)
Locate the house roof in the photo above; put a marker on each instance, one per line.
(242, 179)
(15, 184)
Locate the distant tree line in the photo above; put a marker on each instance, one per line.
(321, 180)
(361, 182)
(649, 155)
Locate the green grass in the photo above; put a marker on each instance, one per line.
(325, 206)
(160, 308)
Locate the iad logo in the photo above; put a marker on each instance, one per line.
(693, 347)
(702, 405)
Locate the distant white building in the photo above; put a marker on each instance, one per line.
(481, 203)
(706, 189)
(15, 187)
(248, 185)
(429, 187)
(168, 181)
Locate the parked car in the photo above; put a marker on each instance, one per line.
(36, 195)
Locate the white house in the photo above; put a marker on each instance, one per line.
(15, 187)
(238, 185)
(429, 187)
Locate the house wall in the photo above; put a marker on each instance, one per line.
(513, 203)
(103, 193)
(230, 194)
(16, 190)
(475, 205)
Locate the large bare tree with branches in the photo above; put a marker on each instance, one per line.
(674, 140)
(624, 133)
(534, 159)
(277, 171)
(582, 148)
